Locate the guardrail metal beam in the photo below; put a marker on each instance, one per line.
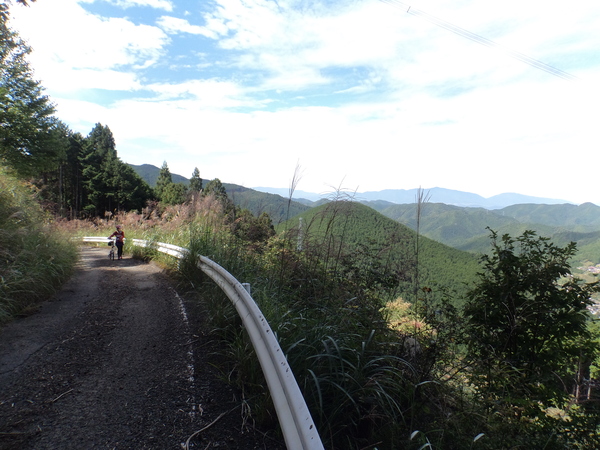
(299, 430)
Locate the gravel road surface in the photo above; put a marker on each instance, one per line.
(117, 360)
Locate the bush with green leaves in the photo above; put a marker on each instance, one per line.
(528, 337)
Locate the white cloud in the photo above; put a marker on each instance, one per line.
(71, 82)
(173, 25)
(157, 4)
(204, 94)
(83, 44)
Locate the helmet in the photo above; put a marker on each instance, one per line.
(118, 227)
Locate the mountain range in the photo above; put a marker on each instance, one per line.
(454, 218)
(392, 196)
(149, 174)
(436, 194)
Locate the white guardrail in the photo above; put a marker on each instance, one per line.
(296, 423)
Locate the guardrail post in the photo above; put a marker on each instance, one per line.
(247, 287)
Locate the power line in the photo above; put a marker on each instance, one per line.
(481, 40)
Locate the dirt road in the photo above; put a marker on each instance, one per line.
(116, 360)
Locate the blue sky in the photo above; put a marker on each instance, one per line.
(361, 95)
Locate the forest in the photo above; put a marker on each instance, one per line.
(396, 340)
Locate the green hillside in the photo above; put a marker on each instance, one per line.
(459, 227)
(466, 228)
(360, 231)
(452, 225)
(149, 174)
(588, 244)
(278, 208)
(584, 217)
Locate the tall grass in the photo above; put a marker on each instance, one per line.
(353, 371)
(35, 256)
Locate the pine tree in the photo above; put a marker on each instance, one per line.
(164, 181)
(98, 153)
(110, 185)
(26, 114)
(196, 181)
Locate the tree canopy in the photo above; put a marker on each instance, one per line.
(527, 320)
(109, 184)
(195, 181)
(168, 192)
(26, 114)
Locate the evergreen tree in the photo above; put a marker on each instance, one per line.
(164, 181)
(100, 143)
(216, 188)
(174, 194)
(72, 170)
(134, 191)
(196, 181)
(98, 154)
(110, 185)
(26, 114)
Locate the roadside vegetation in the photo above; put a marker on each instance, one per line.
(397, 341)
(502, 362)
(36, 257)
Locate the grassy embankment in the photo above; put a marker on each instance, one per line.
(35, 256)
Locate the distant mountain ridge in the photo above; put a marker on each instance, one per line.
(436, 195)
(467, 228)
(278, 208)
(460, 227)
(149, 174)
(394, 196)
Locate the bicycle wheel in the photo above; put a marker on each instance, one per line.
(111, 255)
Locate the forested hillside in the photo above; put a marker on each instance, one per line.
(150, 174)
(452, 225)
(584, 217)
(354, 228)
(466, 228)
(277, 207)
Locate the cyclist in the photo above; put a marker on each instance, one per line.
(120, 240)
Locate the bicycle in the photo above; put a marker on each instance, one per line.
(113, 250)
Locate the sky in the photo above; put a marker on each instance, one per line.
(353, 95)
